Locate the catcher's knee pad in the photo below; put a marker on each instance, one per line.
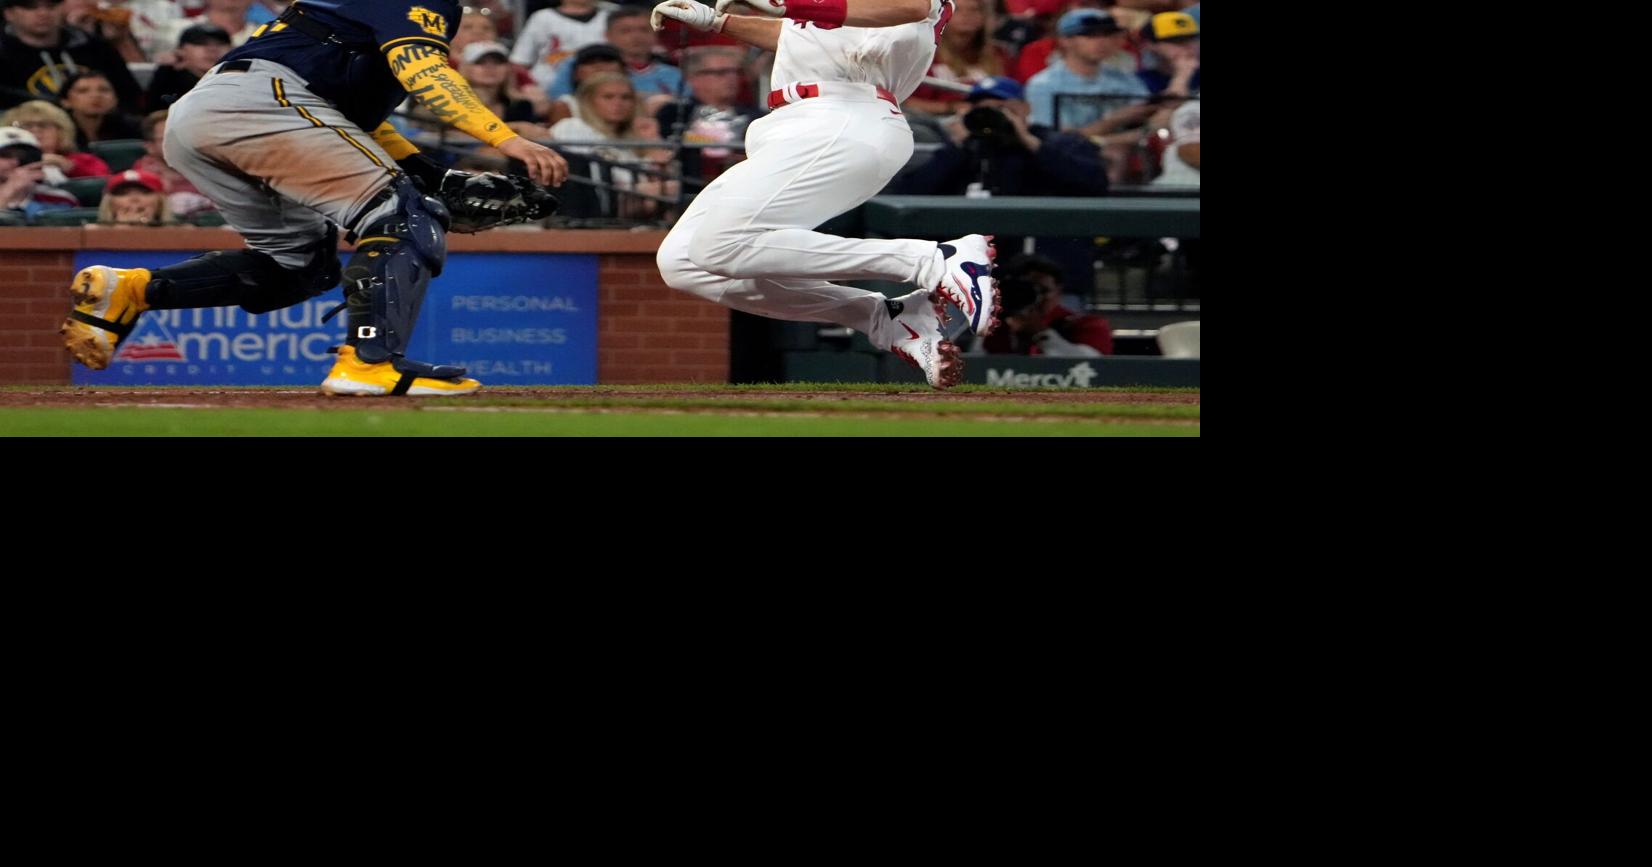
(247, 278)
(385, 280)
(417, 219)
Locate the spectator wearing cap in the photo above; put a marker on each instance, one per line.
(477, 26)
(965, 55)
(181, 195)
(487, 66)
(590, 60)
(55, 132)
(23, 188)
(230, 15)
(553, 35)
(1087, 38)
(134, 197)
(1170, 54)
(200, 47)
(39, 53)
(996, 149)
(1033, 55)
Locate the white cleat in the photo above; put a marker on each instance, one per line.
(968, 282)
(916, 336)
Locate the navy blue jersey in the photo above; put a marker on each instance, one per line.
(353, 74)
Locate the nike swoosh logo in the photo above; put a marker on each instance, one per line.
(973, 297)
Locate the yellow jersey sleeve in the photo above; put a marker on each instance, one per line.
(423, 71)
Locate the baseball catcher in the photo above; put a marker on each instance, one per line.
(278, 136)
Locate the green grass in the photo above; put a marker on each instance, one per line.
(127, 421)
(979, 408)
(832, 409)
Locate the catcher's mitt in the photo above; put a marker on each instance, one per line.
(484, 200)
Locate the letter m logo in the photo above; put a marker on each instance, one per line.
(430, 22)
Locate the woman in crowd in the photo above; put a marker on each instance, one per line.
(54, 130)
(608, 112)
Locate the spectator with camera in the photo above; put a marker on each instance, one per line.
(1039, 323)
(992, 148)
(23, 190)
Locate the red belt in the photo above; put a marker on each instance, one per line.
(795, 93)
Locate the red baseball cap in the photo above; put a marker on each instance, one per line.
(133, 176)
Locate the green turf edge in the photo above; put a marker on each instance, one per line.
(131, 421)
(1005, 408)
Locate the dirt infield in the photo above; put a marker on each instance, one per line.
(550, 398)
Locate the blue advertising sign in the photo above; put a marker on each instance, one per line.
(512, 318)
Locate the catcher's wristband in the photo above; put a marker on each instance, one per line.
(832, 12)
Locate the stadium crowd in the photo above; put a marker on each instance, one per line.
(1040, 97)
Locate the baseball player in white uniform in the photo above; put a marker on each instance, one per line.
(835, 137)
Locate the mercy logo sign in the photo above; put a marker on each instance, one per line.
(1077, 376)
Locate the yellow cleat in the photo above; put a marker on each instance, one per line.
(107, 304)
(351, 376)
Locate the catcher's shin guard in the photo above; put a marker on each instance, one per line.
(385, 281)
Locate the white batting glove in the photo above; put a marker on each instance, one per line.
(696, 15)
(777, 8)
